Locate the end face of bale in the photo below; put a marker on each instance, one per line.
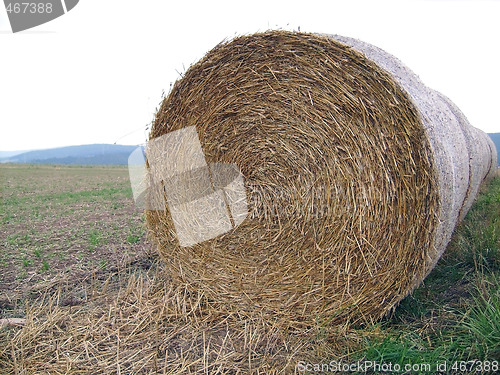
(339, 174)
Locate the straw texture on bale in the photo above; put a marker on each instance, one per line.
(355, 173)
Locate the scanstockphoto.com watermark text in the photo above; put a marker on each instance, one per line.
(26, 14)
(335, 366)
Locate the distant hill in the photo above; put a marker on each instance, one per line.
(100, 154)
(495, 137)
(8, 154)
(96, 154)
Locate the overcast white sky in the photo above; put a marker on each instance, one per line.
(97, 73)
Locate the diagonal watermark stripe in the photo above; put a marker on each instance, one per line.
(204, 200)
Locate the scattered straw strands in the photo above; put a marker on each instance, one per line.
(19, 322)
(139, 323)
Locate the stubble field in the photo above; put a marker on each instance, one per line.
(77, 269)
(64, 223)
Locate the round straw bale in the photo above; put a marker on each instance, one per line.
(355, 174)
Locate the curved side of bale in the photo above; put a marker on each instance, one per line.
(479, 151)
(494, 158)
(445, 135)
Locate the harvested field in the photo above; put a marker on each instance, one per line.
(128, 317)
(64, 223)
